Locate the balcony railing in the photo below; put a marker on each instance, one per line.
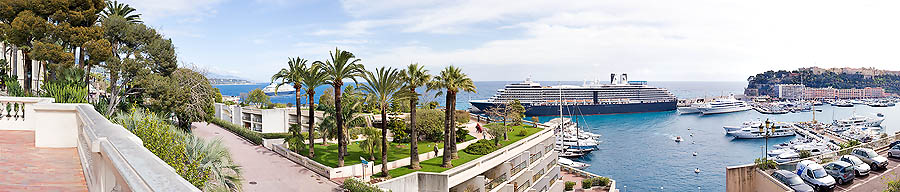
(495, 182)
(112, 158)
(517, 168)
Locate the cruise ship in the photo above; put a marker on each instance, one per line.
(283, 89)
(592, 98)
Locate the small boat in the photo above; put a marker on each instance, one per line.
(695, 154)
(678, 139)
(570, 163)
(570, 153)
(697, 170)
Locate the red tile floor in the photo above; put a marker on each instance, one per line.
(24, 167)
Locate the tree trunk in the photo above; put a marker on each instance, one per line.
(384, 170)
(339, 121)
(413, 136)
(312, 120)
(447, 159)
(27, 84)
(452, 107)
(15, 61)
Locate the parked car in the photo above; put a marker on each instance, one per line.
(861, 167)
(894, 151)
(872, 158)
(893, 144)
(842, 172)
(791, 180)
(813, 174)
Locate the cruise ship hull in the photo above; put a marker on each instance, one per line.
(553, 110)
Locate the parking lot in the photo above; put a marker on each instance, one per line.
(876, 180)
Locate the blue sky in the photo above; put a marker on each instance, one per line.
(690, 40)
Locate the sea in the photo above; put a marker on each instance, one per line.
(638, 150)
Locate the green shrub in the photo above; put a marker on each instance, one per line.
(480, 147)
(65, 93)
(354, 185)
(13, 88)
(254, 137)
(461, 116)
(163, 140)
(522, 132)
(586, 183)
(600, 181)
(570, 185)
(277, 135)
(765, 164)
(804, 154)
(461, 134)
(398, 127)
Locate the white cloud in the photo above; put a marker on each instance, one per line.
(654, 40)
(188, 11)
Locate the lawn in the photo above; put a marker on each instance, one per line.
(434, 164)
(327, 155)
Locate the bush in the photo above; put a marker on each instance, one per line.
(600, 181)
(570, 185)
(586, 183)
(430, 124)
(804, 154)
(253, 137)
(461, 134)
(164, 141)
(765, 164)
(461, 116)
(354, 185)
(278, 135)
(399, 129)
(522, 132)
(481, 147)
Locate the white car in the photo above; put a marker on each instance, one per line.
(862, 169)
(894, 151)
(815, 175)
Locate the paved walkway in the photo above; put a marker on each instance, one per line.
(268, 170)
(24, 167)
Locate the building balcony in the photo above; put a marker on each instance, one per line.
(71, 147)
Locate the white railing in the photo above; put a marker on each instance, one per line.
(16, 112)
(112, 158)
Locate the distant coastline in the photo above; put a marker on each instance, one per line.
(221, 81)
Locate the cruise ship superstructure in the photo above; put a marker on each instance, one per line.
(592, 98)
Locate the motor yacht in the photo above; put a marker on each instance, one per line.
(283, 89)
(574, 164)
(725, 105)
(857, 120)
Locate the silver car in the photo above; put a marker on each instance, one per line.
(894, 151)
(872, 158)
(862, 169)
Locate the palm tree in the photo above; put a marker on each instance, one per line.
(414, 76)
(302, 75)
(291, 75)
(452, 80)
(383, 86)
(114, 8)
(343, 65)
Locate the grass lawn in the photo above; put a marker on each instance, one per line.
(434, 164)
(327, 155)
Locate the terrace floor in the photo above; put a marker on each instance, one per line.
(24, 167)
(569, 176)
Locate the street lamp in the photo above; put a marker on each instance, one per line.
(767, 131)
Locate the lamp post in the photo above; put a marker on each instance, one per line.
(768, 126)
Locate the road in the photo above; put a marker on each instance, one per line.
(264, 170)
(876, 180)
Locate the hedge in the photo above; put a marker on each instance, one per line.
(254, 137)
(275, 135)
(570, 186)
(354, 185)
(481, 147)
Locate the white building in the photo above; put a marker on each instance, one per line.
(277, 120)
(527, 165)
(17, 67)
(790, 91)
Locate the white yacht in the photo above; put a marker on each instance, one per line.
(781, 129)
(693, 108)
(858, 121)
(726, 105)
(283, 89)
(746, 124)
(574, 164)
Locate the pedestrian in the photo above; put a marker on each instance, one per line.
(435, 149)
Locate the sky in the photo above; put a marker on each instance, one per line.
(502, 40)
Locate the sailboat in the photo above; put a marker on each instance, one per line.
(570, 140)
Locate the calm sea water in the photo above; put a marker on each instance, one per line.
(638, 150)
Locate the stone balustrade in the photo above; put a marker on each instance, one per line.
(112, 158)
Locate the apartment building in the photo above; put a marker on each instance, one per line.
(799, 91)
(527, 165)
(278, 120)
